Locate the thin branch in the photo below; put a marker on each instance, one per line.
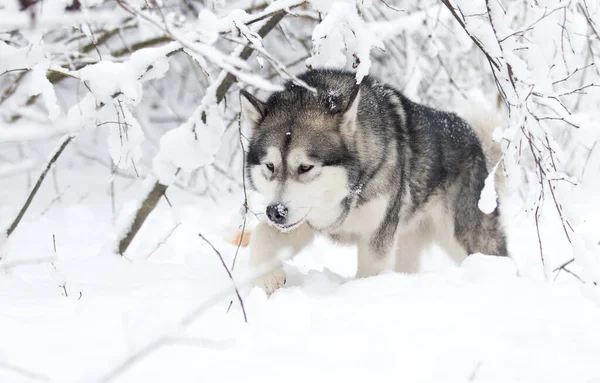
(579, 90)
(54, 76)
(572, 73)
(163, 241)
(392, 8)
(564, 267)
(25, 373)
(229, 274)
(65, 141)
(473, 38)
(13, 70)
(230, 79)
(567, 263)
(587, 160)
(141, 45)
(589, 20)
(245, 193)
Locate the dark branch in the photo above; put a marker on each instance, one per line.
(229, 274)
(38, 184)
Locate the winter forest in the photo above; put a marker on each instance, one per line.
(126, 218)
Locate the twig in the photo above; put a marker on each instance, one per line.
(26, 262)
(276, 64)
(589, 19)
(25, 373)
(65, 141)
(572, 73)
(142, 44)
(229, 274)
(164, 241)
(13, 70)
(239, 245)
(572, 273)
(64, 285)
(587, 160)
(55, 200)
(564, 264)
(579, 90)
(564, 267)
(245, 193)
(230, 79)
(392, 8)
(473, 38)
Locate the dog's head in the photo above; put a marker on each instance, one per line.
(301, 156)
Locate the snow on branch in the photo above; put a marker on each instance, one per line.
(343, 29)
(191, 145)
(115, 86)
(536, 78)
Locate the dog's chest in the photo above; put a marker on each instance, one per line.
(362, 220)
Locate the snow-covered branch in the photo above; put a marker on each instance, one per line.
(537, 82)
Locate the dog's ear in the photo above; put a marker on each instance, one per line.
(253, 110)
(348, 127)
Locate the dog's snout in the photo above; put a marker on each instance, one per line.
(277, 213)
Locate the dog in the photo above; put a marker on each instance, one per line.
(364, 165)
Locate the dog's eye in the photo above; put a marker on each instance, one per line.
(270, 166)
(305, 168)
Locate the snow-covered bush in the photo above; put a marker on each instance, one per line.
(150, 86)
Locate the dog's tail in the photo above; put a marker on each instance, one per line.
(484, 120)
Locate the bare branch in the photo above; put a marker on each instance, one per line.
(491, 60)
(34, 376)
(61, 147)
(229, 274)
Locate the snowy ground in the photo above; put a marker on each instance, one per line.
(91, 316)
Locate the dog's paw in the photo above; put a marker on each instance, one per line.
(271, 281)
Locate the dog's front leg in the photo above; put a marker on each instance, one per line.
(373, 257)
(267, 243)
(374, 249)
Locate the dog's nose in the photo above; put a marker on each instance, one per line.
(277, 213)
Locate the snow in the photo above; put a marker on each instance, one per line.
(190, 146)
(6, 170)
(125, 135)
(107, 78)
(488, 201)
(71, 310)
(483, 319)
(387, 30)
(20, 58)
(189, 152)
(125, 219)
(41, 85)
(12, 19)
(341, 27)
(281, 210)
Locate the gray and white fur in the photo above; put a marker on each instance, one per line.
(363, 164)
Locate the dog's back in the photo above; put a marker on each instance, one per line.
(439, 158)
